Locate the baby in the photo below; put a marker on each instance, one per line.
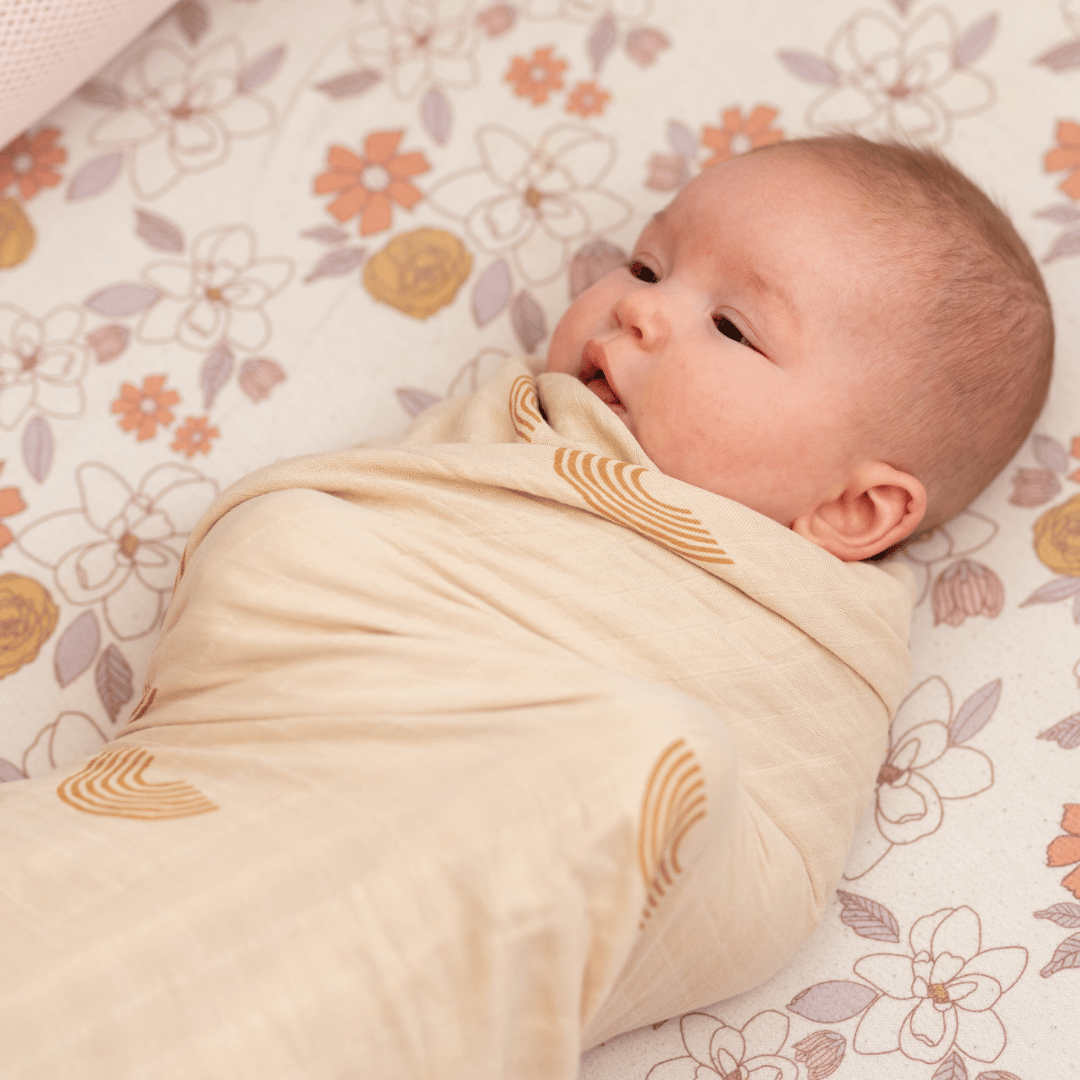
(845, 336)
(461, 755)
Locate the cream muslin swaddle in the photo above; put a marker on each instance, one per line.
(456, 757)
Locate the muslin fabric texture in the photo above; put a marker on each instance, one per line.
(456, 756)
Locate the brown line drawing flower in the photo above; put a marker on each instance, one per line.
(587, 99)
(419, 45)
(371, 184)
(739, 133)
(28, 160)
(966, 588)
(184, 110)
(217, 295)
(42, 364)
(898, 80)
(195, 436)
(942, 994)
(536, 76)
(1064, 850)
(534, 199)
(143, 409)
(121, 545)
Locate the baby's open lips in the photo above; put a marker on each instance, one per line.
(593, 376)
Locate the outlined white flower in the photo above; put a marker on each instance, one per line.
(899, 81)
(216, 295)
(941, 995)
(42, 364)
(534, 200)
(717, 1051)
(586, 10)
(419, 43)
(122, 545)
(182, 112)
(961, 536)
(922, 768)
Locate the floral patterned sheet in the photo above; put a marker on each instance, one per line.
(269, 229)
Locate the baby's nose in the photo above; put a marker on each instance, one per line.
(643, 314)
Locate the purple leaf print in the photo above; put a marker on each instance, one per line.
(1050, 453)
(972, 44)
(808, 66)
(261, 70)
(96, 175)
(491, 292)
(997, 1074)
(414, 401)
(194, 19)
(1066, 733)
(336, 263)
(349, 84)
(1066, 915)
(77, 647)
(326, 234)
(527, 318)
(602, 39)
(1066, 244)
(1066, 955)
(682, 140)
(435, 115)
(108, 342)
(38, 445)
(1061, 57)
(9, 772)
(117, 301)
(1062, 213)
(158, 232)
(831, 1002)
(216, 369)
(868, 918)
(952, 1068)
(113, 679)
(1056, 589)
(974, 713)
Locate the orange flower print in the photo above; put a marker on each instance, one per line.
(371, 184)
(10, 503)
(28, 161)
(1066, 155)
(536, 77)
(143, 409)
(739, 134)
(587, 99)
(195, 436)
(1063, 850)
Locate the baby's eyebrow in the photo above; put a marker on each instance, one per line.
(761, 284)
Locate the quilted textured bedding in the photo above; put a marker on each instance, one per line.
(268, 229)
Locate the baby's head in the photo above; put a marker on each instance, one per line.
(846, 336)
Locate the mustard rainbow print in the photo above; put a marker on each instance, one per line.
(674, 802)
(112, 785)
(525, 407)
(614, 489)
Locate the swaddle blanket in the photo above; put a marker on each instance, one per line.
(455, 756)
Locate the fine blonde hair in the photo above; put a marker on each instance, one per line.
(965, 363)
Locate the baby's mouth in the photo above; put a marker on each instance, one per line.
(592, 375)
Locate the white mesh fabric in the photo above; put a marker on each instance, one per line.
(50, 47)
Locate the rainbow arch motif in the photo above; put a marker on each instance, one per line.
(112, 784)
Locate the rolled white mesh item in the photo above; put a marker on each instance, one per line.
(50, 47)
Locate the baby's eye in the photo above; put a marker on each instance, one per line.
(729, 329)
(642, 272)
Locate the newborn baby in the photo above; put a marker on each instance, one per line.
(847, 337)
(461, 755)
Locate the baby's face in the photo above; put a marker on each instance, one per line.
(733, 345)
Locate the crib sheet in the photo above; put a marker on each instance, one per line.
(268, 229)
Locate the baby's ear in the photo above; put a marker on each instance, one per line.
(879, 507)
